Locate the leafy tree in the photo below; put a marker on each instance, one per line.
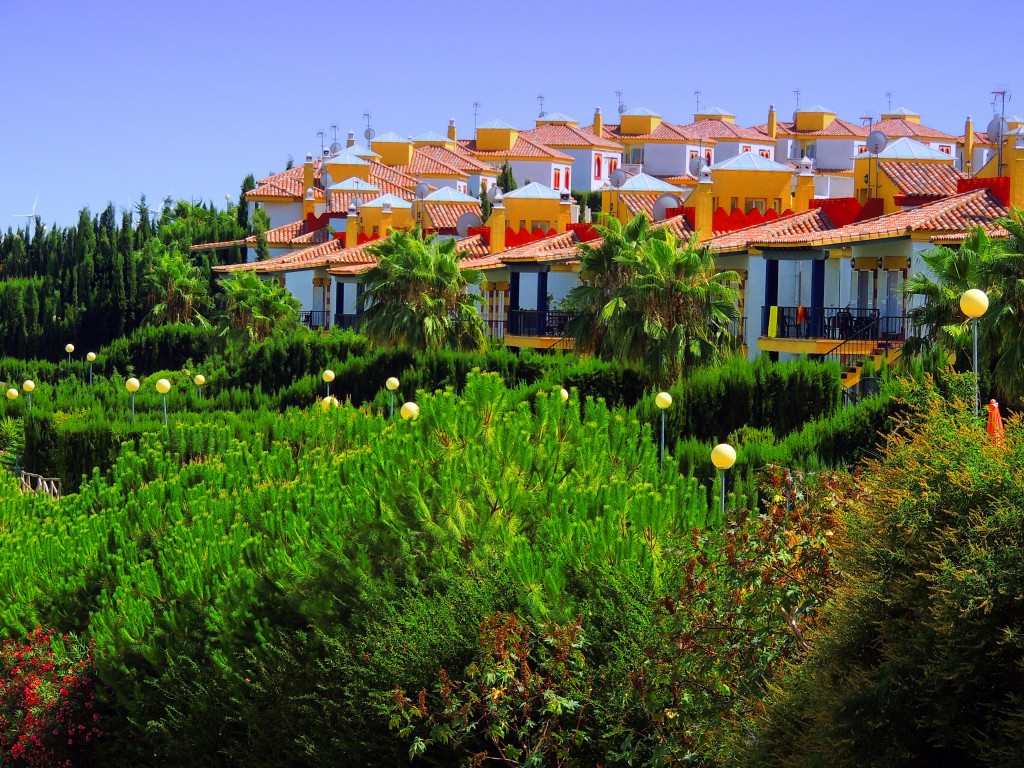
(651, 299)
(178, 290)
(256, 308)
(506, 180)
(417, 295)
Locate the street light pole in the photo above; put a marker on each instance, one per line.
(663, 401)
(723, 456)
(392, 385)
(974, 304)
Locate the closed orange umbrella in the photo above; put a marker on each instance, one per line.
(995, 422)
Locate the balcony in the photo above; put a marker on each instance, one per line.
(315, 319)
(539, 329)
(815, 331)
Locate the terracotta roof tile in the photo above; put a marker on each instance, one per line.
(478, 256)
(922, 179)
(458, 159)
(981, 139)
(562, 136)
(524, 148)
(837, 129)
(551, 248)
(895, 128)
(723, 131)
(958, 213)
(446, 215)
(665, 132)
(425, 164)
(805, 224)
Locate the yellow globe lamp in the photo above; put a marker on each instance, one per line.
(29, 385)
(199, 379)
(410, 411)
(974, 303)
(132, 385)
(12, 394)
(328, 402)
(163, 386)
(328, 376)
(69, 348)
(663, 400)
(563, 394)
(391, 383)
(723, 456)
(91, 357)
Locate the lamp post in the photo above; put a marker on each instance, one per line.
(663, 400)
(723, 456)
(563, 395)
(410, 411)
(163, 386)
(91, 357)
(327, 402)
(69, 348)
(328, 377)
(28, 386)
(132, 385)
(12, 394)
(974, 303)
(199, 380)
(392, 385)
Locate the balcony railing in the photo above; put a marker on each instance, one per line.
(345, 322)
(833, 323)
(534, 322)
(314, 318)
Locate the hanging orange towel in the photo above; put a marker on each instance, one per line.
(995, 423)
(800, 314)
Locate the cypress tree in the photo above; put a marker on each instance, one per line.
(506, 180)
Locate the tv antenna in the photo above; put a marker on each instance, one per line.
(622, 107)
(334, 132)
(796, 92)
(369, 133)
(1001, 95)
(888, 101)
(476, 108)
(867, 119)
(541, 100)
(322, 135)
(697, 94)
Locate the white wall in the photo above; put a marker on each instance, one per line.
(300, 285)
(833, 186)
(527, 171)
(283, 213)
(834, 153)
(349, 303)
(725, 149)
(666, 159)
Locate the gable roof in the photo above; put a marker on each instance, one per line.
(806, 223)
(749, 161)
(427, 164)
(837, 129)
(898, 127)
(664, 133)
(724, 131)
(524, 149)
(559, 136)
(907, 149)
(641, 182)
(449, 195)
(533, 191)
(922, 179)
(446, 215)
(496, 124)
(458, 158)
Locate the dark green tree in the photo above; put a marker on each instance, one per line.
(506, 180)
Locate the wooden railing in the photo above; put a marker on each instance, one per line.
(32, 483)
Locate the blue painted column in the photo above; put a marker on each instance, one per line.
(513, 304)
(359, 295)
(771, 291)
(818, 298)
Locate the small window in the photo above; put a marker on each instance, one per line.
(693, 153)
(376, 230)
(636, 155)
(543, 226)
(522, 224)
(597, 166)
(613, 164)
(707, 156)
(753, 203)
(809, 150)
(558, 179)
(765, 153)
(946, 149)
(734, 203)
(861, 149)
(777, 204)
(567, 184)
(746, 148)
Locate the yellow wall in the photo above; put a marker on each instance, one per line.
(814, 121)
(530, 210)
(393, 152)
(343, 171)
(447, 144)
(634, 125)
(496, 138)
(753, 185)
(887, 190)
(399, 218)
(723, 118)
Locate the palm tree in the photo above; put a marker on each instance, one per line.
(417, 295)
(178, 290)
(1004, 322)
(255, 308)
(652, 300)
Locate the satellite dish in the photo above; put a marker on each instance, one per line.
(662, 204)
(622, 108)
(697, 165)
(997, 128)
(492, 192)
(876, 142)
(422, 190)
(618, 178)
(369, 133)
(335, 147)
(467, 220)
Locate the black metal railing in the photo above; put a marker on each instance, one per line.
(314, 318)
(537, 322)
(344, 321)
(738, 328)
(831, 323)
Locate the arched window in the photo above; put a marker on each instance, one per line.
(597, 166)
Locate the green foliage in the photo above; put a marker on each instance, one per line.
(506, 179)
(918, 661)
(255, 309)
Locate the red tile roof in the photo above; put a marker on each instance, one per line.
(723, 131)
(478, 256)
(896, 128)
(922, 179)
(958, 213)
(638, 203)
(806, 223)
(285, 185)
(836, 129)
(563, 136)
(425, 164)
(981, 139)
(446, 215)
(551, 248)
(459, 159)
(665, 132)
(523, 149)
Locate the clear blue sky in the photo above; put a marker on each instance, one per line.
(102, 101)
